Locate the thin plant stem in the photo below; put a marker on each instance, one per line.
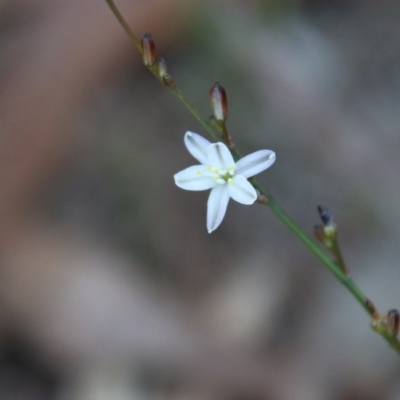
(154, 70)
(339, 257)
(217, 131)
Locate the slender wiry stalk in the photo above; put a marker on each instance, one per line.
(217, 132)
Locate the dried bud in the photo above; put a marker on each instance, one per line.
(326, 216)
(219, 102)
(394, 321)
(149, 50)
(163, 73)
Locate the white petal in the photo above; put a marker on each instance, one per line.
(219, 156)
(241, 190)
(255, 163)
(197, 146)
(216, 206)
(194, 178)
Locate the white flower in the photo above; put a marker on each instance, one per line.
(219, 172)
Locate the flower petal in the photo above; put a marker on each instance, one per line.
(197, 146)
(216, 206)
(194, 178)
(241, 190)
(219, 156)
(255, 163)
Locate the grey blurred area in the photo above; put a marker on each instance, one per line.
(110, 285)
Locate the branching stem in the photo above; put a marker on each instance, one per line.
(217, 131)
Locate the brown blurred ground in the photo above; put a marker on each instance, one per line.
(110, 286)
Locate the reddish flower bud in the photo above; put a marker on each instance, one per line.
(149, 50)
(219, 102)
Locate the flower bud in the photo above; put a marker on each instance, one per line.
(219, 102)
(386, 323)
(163, 73)
(149, 50)
(330, 229)
(325, 215)
(394, 322)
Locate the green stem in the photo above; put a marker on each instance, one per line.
(339, 257)
(274, 206)
(124, 25)
(216, 131)
(154, 70)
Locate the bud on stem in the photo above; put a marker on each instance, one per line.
(149, 50)
(219, 102)
(327, 235)
(219, 105)
(163, 73)
(394, 322)
(387, 323)
(326, 216)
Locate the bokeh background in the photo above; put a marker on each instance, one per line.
(110, 286)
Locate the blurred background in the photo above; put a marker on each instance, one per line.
(110, 285)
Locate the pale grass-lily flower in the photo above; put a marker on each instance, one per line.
(219, 172)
